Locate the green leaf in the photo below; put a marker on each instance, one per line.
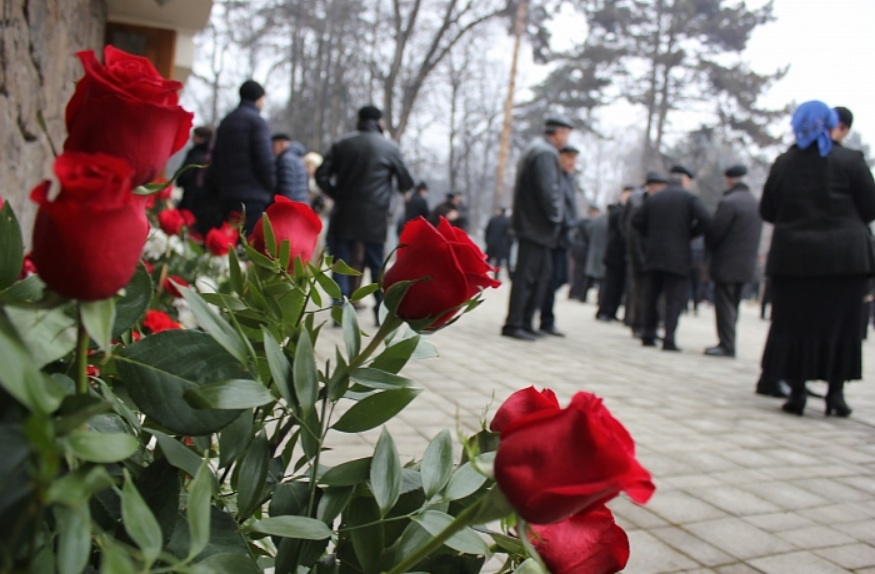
(341, 268)
(229, 563)
(11, 247)
(130, 307)
(280, 369)
(233, 394)
(437, 464)
(236, 276)
(252, 476)
(78, 486)
(158, 370)
(466, 540)
(305, 377)
(364, 291)
(21, 377)
(530, 566)
(74, 538)
(367, 532)
(352, 335)
(350, 473)
(98, 318)
(114, 559)
(465, 482)
(160, 485)
(285, 253)
(140, 523)
(269, 237)
(333, 502)
(329, 286)
(234, 438)
(215, 325)
(299, 527)
(394, 357)
(101, 447)
(377, 379)
(374, 410)
(30, 290)
(200, 494)
(385, 473)
(493, 506)
(176, 453)
(49, 334)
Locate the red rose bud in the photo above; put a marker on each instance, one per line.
(553, 462)
(173, 220)
(170, 285)
(586, 543)
(157, 321)
(220, 240)
(166, 193)
(123, 107)
(92, 371)
(291, 221)
(450, 269)
(88, 240)
(27, 267)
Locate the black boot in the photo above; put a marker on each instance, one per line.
(835, 400)
(798, 395)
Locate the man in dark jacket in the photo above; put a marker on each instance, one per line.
(732, 241)
(291, 173)
(611, 292)
(499, 240)
(357, 173)
(636, 278)
(537, 219)
(668, 220)
(192, 180)
(242, 170)
(453, 210)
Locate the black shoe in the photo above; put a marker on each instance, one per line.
(836, 405)
(795, 406)
(648, 342)
(533, 333)
(552, 330)
(718, 351)
(670, 346)
(518, 333)
(778, 389)
(605, 318)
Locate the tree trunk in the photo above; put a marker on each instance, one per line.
(647, 158)
(507, 123)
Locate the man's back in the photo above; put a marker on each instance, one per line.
(242, 157)
(668, 220)
(538, 198)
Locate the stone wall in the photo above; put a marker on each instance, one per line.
(38, 40)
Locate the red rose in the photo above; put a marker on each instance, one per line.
(27, 267)
(123, 107)
(454, 268)
(586, 543)
(88, 240)
(173, 220)
(291, 221)
(220, 240)
(92, 371)
(553, 462)
(170, 285)
(157, 321)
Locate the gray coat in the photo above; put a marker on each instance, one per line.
(598, 242)
(537, 195)
(733, 238)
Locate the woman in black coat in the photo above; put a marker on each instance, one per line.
(820, 197)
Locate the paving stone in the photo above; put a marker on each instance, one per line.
(851, 556)
(739, 538)
(864, 530)
(695, 548)
(780, 521)
(786, 495)
(796, 562)
(682, 508)
(735, 501)
(815, 537)
(737, 569)
(649, 555)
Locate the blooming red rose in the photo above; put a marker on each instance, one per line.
(157, 321)
(220, 240)
(586, 543)
(554, 462)
(123, 107)
(173, 220)
(88, 240)
(170, 285)
(454, 269)
(291, 221)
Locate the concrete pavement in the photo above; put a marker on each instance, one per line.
(741, 487)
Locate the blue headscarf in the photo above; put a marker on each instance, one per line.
(812, 122)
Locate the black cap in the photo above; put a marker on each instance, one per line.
(682, 170)
(654, 177)
(280, 136)
(736, 170)
(251, 90)
(452, 194)
(569, 149)
(421, 185)
(845, 116)
(370, 112)
(557, 122)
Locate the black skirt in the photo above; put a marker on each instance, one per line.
(816, 331)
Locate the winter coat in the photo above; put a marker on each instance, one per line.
(820, 207)
(615, 250)
(598, 242)
(357, 173)
(498, 237)
(537, 195)
(291, 174)
(192, 180)
(733, 238)
(243, 161)
(668, 220)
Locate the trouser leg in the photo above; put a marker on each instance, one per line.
(650, 312)
(726, 301)
(529, 284)
(676, 288)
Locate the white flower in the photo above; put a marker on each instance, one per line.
(156, 244)
(176, 245)
(206, 284)
(184, 314)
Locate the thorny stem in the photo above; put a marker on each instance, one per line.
(82, 341)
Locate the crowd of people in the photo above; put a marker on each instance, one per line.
(645, 254)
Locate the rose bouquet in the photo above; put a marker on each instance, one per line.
(134, 446)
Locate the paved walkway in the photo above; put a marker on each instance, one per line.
(741, 487)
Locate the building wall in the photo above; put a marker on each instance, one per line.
(38, 68)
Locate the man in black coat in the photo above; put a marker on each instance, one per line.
(291, 173)
(499, 240)
(732, 241)
(242, 170)
(636, 278)
(192, 180)
(668, 220)
(611, 292)
(537, 220)
(453, 210)
(358, 173)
